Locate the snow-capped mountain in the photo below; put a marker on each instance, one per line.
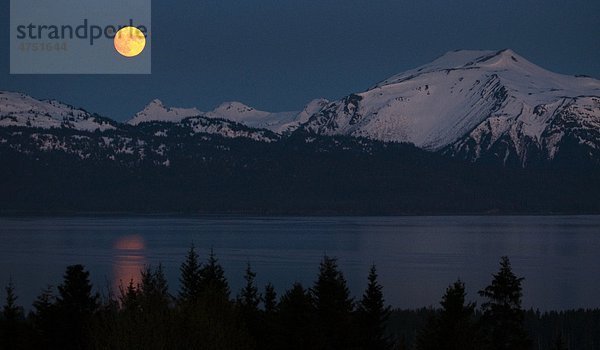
(156, 111)
(473, 104)
(231, 119)
(18, 109)
(278, 122)
(482, 106)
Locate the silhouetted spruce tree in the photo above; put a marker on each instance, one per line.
(75, 306)
(270, 299)
(372, 315)
(502, 318)
(142, 319)
(296, 327)
(75, 294)
(154, 290)
(190, 278)
(150, 325)
(269, 322)
(454, 327)
(249, 297)
(10, 311)
(44, 318)
(190, 295)
(333, 306)
(130, 298)
(247, 303)
(12, 315)
(212, 322)
(212, 277)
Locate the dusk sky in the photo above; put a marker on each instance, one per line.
(276, 55)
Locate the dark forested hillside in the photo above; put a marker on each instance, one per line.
(64, 171)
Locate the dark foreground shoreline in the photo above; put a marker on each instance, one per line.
(205, 313)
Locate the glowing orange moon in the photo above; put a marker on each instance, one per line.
(130, 41)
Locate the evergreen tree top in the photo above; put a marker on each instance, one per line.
(373, 315)
(190, 278)
(249, 297)
(11, 312)
(330, 292)
(453, 302)
(270, 299)
(76, 290)
(212, 277)
(502, 313)
(506, 287)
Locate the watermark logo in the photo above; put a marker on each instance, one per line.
(80, 37)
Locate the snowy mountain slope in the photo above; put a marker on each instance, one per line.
(239, 112)
(313, 107)
(156, 111)
(21, 110)
(535, 135)
(461, 100)
(279, 122)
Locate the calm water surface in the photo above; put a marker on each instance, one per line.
(417, 257)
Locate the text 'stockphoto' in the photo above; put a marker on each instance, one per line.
(311, 175)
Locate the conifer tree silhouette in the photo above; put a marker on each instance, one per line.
(75, 306)
(296, 321)
(503, 316)
(270, 299)
(454, 327)
(212, 278)
(373, 314)
(334, 306)
(12, 314)
(190, 278)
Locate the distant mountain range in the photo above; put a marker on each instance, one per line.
(474, 105)
(469, 114)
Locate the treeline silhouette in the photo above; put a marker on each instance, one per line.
(204, 315)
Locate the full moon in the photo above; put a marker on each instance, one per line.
(130, 41)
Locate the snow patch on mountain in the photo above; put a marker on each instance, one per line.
(228, 129)
(249, 116)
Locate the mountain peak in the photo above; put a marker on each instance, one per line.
(234, 107)
(469, 59)
(155, 102)
(236, 111)
(156, 111)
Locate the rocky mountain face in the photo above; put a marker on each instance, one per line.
(475, 105)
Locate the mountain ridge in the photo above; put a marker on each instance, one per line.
(448, 102)
(490, 106)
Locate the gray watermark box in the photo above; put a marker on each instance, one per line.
(78, 36)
